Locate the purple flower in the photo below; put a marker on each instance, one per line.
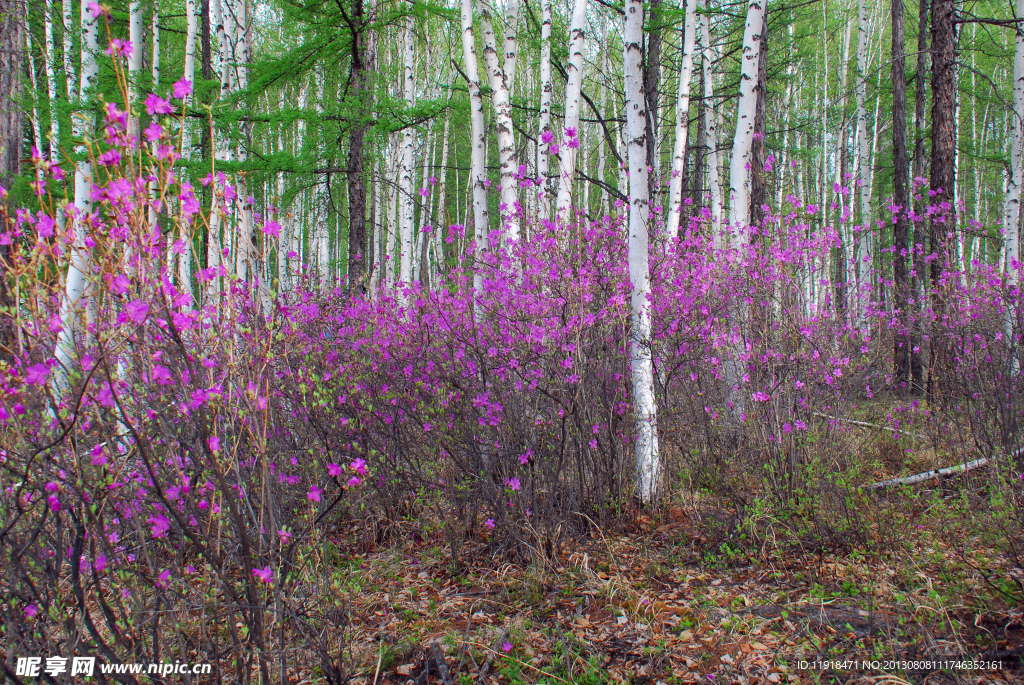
(36, 374)
(138, 311)
(264, 574)
(163, 579)
(507, 647)
(271, 228)
(54, 502)
(100, 563)
(31, 610)
(182, 88)
(354, 481)
(158, 105)
(359, 466)
(333, 470)
(214, 443)
(160, 525)
(489, 524)
(314, 493)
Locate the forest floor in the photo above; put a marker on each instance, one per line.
(659, 602)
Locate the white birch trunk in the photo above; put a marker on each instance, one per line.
(641, 364)
(80, 257)
(477, 174)
(51, 83)
(1015, 179)
(155, 38)
(711, 130)
(602, 154)
(393, 219)
(406, 189)
(675, 190)
(442, 199)
(69, 65)
(864, 251)
(500, 78)
(739, 171)
(135, 35)
(567, 169)
(546, 90)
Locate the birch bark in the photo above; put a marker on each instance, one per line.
(80, 258)
(675, 191)
(641, 364)
(406, 197)
(477, 174)
(546, 89)
(739, 172)
(573, 134)
(500, 78)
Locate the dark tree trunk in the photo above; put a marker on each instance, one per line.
(901, 198)
(920, 169)
(652, 82)
(921, 88)
(12, 65)
(943, 164)
(357, 267)
(757, 179)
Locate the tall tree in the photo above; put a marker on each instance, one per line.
(569, 148)
(901, 198)
(641, 364)
(758, 182)
(405, 183)
(12, 65)
(544, 124)
(80, 259)
(675, 193)
(360, 94)
(739, 171)
(864, 251)
(501, 76)
(943, 164)
(478, 142)
(1015, 177)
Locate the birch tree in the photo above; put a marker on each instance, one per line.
(711, 127)
(478, 142)
(675, 192)
(1015, 178)
(573, 134)
(500, 77)
(641, 364)
(739, 171)
(80, 259)
(864, 251)
(405, 184)
(545, 135)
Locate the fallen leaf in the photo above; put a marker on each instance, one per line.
(404, 669)
(759, 647)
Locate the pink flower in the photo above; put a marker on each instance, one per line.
(507, 647)
(37, 374)
(99, 458)
(120, 47)
(285, 535)
(138, 311)
(271, 228)
(182, 88)
(547, 137)
(489, 524)
(100, 563)
(314, 493)
(161, 375)
(54, 503)
(264, 574)
(160, 525)
(153, 132)
(359, 466)
(214, 443)
(513, 483)
(158, 105)
(95, 10)
(333, 470)
(163, 579)
(120, 284)
(354, 481)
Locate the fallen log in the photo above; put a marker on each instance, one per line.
(940, 473)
